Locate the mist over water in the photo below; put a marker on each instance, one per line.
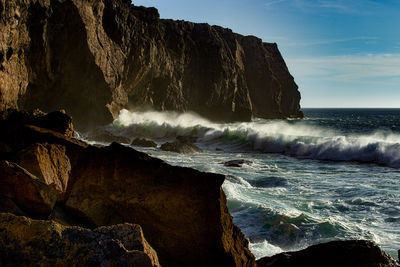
(334, 175)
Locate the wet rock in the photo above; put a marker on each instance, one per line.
(26, 190)
(336, 253)
(143, 142)
(48, 162)
(237, 163)
(181, 147)
(24, 241)
(182, 211)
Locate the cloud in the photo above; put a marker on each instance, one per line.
(273, 2)
(355, 7)
(330, 41)
(348, 68)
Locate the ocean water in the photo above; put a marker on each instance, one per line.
(333, 175)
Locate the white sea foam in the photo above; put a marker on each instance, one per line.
(295, 138)
(263, 249)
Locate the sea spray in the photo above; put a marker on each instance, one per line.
(297, 138)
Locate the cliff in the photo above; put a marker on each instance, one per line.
(93, 58)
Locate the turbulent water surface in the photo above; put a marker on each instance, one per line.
(333, 175)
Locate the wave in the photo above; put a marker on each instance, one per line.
(298, 138)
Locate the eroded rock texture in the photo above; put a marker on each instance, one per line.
(93, 58)
(27, 242)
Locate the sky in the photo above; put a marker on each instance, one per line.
(343, 53)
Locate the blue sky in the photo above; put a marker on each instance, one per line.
(343, 53)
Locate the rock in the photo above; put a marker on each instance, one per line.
(26, 190)
(93, 58)
(104, 136)
(182, 211)
(143, 142)
(181, 147)
(47, 162)
(336, 253)
(237, 163)
(24, 242)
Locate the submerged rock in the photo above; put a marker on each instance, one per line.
(181, 147)
(349, 253)
(143, 142)
(102, 135)
(237, 163)
(24, 242)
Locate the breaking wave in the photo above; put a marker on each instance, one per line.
(297, 138)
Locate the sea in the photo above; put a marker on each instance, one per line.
(333, 175)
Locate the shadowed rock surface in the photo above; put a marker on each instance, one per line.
(93, 58)
(24, 242)
(350, 253)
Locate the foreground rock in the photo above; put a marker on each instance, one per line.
(143, 142)
(181, 147)
(24, 242)
(93, 58)
(182, 211)
(350, 253)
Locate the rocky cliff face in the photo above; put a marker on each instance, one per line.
(93, 58)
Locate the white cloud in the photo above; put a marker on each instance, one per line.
(355, 7)
(273, 2)
(347, 68)
(330, 41)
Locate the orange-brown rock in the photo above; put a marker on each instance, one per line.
(27, 191)
(27, 242)
(48, 162)
(93, 58)
(182, 211)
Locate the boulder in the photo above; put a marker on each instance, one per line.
(26, 242)
(29, 192)
(47, 162)
(182, 211)
(181, 147)
(143, 142)
(350, 253)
